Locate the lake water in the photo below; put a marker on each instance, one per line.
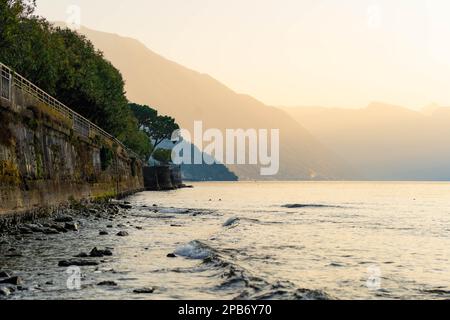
(258, 241)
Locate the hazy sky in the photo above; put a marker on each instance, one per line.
(293, 52)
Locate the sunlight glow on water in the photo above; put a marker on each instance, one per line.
(263, 240)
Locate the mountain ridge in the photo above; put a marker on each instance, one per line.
(189, 95)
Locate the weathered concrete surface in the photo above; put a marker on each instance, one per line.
(162, 178)
(45, 164)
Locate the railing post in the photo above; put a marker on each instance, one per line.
(1, 81)
(11, 79)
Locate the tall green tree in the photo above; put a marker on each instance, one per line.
(66, 65)
(158, 128)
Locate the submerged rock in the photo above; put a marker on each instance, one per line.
(171, 255)
(144, 291)
(14, 255)
(231, 221)
(77, 263)
(103, 233)
(4, 274)
(123, 234)
(107, 284)
(82, 255)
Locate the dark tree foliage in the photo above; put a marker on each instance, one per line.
(164, 156)
(66, 65)
(158, 128)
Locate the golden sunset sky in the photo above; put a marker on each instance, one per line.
(343, 53)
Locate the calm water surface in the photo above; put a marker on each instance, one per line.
(258, 241)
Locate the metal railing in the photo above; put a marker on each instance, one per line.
(80, 124)
(5, 83)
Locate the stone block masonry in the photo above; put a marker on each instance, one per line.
(49, 158)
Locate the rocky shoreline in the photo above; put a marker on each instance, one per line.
(68, 220)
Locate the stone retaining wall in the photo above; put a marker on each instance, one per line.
(44, 163)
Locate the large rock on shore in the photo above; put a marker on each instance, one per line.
(16, 281)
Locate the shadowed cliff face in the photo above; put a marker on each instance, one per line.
(385, 142)
(189, 96)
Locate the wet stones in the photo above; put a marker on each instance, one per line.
(50, 231)
(103, 233)
(16, 281)
(9, 284)
(34, 228)
(96, 253)
(125, 206)
(25, 230)
(59, 228)
(123, 234)
(171, 255)
(71, 226)
(64, 219)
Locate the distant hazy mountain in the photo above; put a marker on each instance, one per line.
(188, 96)
(385, 142)
(202, 172)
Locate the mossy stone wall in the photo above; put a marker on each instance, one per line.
(44, 163)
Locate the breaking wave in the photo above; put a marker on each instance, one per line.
(301, 206)
(240, 282)
(231, 221)
(195, 250)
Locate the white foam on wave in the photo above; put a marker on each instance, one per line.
(194, 250)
